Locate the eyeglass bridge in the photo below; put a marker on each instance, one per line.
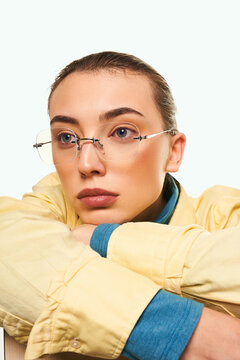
(94, 141)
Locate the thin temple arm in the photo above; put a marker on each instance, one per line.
(171, 131)
(41, 144)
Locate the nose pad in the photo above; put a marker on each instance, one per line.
(89, 161)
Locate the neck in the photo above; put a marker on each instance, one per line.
(151, 213)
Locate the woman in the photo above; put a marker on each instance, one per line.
(114, 139)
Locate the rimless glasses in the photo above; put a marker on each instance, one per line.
(113, 141)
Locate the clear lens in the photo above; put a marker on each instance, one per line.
(44, 146)
(64, 145)
(113, 141)
(117, 141)
(57, 145)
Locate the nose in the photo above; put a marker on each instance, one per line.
(89, 162)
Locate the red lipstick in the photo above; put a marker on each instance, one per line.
(97, 198)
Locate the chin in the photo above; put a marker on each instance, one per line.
(103, 216)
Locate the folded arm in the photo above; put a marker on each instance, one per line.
(71, 299)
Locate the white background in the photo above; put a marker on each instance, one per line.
(193, 44)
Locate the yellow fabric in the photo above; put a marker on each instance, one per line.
(197, 254)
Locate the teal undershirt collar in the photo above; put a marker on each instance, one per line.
(167, 212)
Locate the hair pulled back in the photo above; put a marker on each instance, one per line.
(109, 60)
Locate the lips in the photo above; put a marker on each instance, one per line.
(97, 197)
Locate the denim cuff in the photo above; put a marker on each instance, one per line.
(100, 238)
(164, 329)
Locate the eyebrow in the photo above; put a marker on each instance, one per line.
(64, 119)
(117, 112)
(106, 116)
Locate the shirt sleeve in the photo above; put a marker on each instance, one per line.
(186, 260)
(165, 326)
(62, 300)
(164, 329)
(88, 311)
(100, 238)
(68, 297)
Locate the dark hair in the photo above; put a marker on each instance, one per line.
(109, 60)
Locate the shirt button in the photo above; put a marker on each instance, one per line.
(75, 343)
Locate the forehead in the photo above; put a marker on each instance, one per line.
(101, 91)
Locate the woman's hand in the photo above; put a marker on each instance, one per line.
(84, 233)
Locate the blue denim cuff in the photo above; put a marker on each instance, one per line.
(164, 329)
(100, 238)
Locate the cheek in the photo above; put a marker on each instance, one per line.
(149, 165)
(143, 178)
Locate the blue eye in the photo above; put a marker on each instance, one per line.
(63, 138)
(122, 132)
(66, 138)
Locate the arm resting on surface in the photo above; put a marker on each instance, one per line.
(66, 293)
(36, 247)
(186, 260)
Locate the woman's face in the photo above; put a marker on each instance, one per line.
(125, 188)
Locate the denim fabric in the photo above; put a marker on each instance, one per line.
(164, 329)
(100, 238)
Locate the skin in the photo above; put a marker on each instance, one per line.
(86, 97)
(216, 337)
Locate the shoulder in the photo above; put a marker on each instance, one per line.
(218, 207)
(218, 195)
(217, 191)
(49, 180)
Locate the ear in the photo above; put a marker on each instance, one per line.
(177, 146)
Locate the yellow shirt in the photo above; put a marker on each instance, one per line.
(58, 280)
